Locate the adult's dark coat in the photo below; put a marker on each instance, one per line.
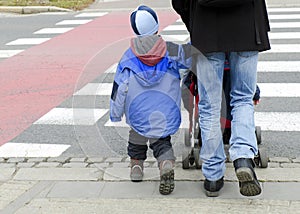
(230, 27)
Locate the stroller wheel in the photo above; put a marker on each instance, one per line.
(187, 137)
(258, 134)
(186, 158)
(191, 157)
(263, 158)
(196, 152)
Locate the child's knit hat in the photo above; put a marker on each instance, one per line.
(144, 21)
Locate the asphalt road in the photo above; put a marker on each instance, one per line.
(100, 139)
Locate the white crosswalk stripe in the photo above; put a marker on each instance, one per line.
(95, 89)
(74, 22)
(53, 30)
(284, 35)
(72, 116)
(278, 66)
(176, 38)
(284, 48)
(11, 149)
(112, 69)
(280, 89)
(278, 121)
(9, 53)
(284, 16)
(91, 14)
(28, 41)
(280, 9)
(291, 25)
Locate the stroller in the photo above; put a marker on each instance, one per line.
(192, 135)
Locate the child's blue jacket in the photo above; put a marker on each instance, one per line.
(147, 87)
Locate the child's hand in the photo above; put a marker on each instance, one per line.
(255, 102)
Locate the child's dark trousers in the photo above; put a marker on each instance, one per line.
(137, 147)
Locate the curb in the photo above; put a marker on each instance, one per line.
(117, 169)
(31, 9)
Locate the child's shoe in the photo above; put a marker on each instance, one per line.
(166, 185)
(137, 167)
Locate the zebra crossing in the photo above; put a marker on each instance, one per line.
(61, 27)
(89, 106)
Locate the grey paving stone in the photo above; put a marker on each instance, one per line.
(121, 165)
(25, 165)
(295, 205)
(127, 159)
(15, 160)
(24, 198)
(101, 166)
(6, 173)
(113, 160)
(186, 189)
(10, 191)
(58, 159)
(95, 160)
(296, 160)
(282, 191)
(7, 165)
(280, 159)
(77, 159)
(151, 159)
(290, 165)
(278, 174)
(128, 189)
(75, 165)
(48, 165)
(188, 175)
(29, 160)
(76, 189)
(79, 174)
(273, 165)
(122, 174)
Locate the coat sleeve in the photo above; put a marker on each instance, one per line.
(118, 95)
(181, 54)
(182, 7)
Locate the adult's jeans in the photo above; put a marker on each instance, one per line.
(210, 68)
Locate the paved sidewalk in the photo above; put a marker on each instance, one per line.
(101, 185)
(31, 9)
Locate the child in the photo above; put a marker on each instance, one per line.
(147, 90)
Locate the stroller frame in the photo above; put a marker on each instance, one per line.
(192, 135)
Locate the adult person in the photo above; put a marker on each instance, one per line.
(238, 28)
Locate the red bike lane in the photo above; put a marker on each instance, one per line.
(41, 77)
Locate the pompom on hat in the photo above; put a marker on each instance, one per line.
(144, 21)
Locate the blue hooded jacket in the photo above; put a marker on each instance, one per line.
(147, 86)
